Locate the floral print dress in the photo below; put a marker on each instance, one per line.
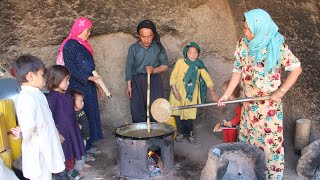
(262, 121)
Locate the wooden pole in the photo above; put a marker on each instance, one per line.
(148, 103)
(103, 86)
(302, 136)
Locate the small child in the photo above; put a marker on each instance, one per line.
(232, 113)
(81, 118)
(189, 81)
(42, 153)
(62, 107)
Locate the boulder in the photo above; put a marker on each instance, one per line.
(309, 161)
(234, 161)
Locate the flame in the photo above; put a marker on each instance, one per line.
(150, 153)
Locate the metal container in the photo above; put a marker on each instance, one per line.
(133, 143)
(9, 88)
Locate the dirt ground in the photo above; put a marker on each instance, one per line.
(189, 159)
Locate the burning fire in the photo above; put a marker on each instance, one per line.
(154, 161)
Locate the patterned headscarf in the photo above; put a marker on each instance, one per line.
(78, 27)
(266, 35)
(190, 78)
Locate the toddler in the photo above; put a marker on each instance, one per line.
(81, 118)
(231, 113)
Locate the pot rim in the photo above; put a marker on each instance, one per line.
(152, 124)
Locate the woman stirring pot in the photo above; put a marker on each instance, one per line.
(258, 61)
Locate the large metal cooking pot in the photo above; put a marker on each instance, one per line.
(138, 131)
(133, 143)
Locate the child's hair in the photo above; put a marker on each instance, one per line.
(236, 92)
(75, 92)
(55, 76)
(25, 64)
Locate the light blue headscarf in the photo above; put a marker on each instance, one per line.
(265, 35)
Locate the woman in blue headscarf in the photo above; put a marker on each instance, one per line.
(258, 60)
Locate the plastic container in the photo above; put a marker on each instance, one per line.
(6, 156)
(3, 134)
(7, 108)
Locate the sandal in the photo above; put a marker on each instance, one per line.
(192, 139)
(179, 137)
(62, 175)
(89, 158)
(86, 165)
(94, 150)
(74, 175)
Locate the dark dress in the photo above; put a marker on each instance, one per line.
(61, 105)
(80, 63)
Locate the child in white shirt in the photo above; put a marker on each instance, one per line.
(42, 153)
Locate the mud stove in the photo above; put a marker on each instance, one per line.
(142, 154)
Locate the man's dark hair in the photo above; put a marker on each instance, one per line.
(55, 76)
(150, 25)
(25, 64)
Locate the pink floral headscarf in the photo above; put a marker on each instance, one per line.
(78, 27)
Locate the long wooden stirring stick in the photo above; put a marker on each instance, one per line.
(148, 103)
(108, 94)
(102, 85)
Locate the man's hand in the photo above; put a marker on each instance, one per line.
(129, 89)
(149, 69)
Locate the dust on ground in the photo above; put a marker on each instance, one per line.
(189, 159)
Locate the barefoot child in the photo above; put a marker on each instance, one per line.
(42, 153)
(189, 81)
(231, 113)
(62, 107)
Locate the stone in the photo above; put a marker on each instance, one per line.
(309, 161)
(234, 161)
(302, 137)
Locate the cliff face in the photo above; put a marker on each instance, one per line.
(38, 27)
(39, 24)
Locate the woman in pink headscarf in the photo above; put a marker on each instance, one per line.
(77, 55)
